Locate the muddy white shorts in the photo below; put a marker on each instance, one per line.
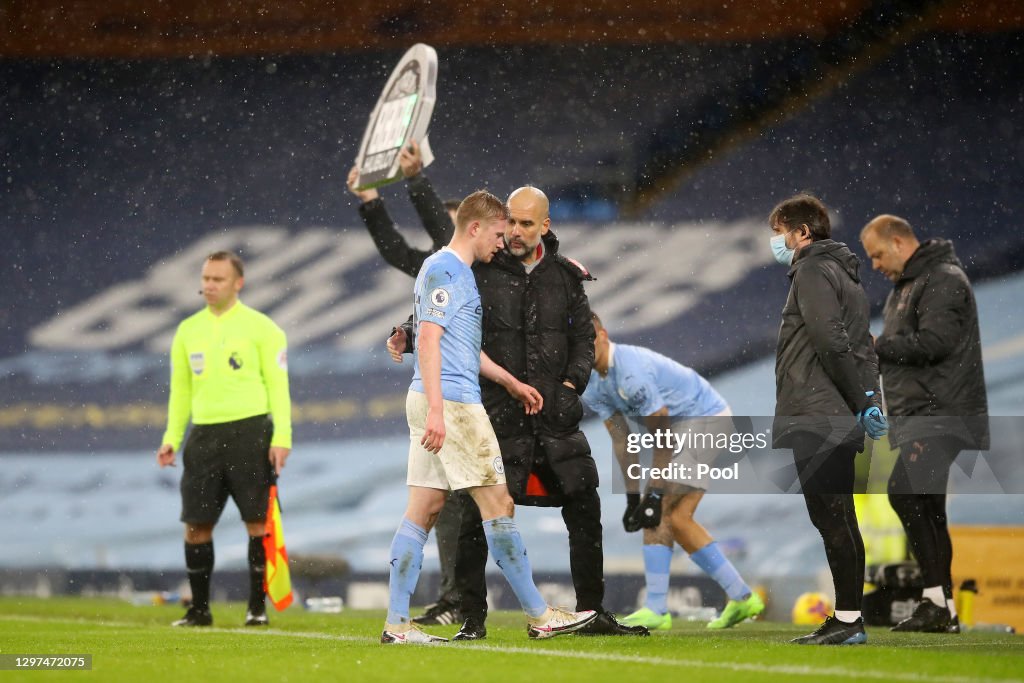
(470, 455)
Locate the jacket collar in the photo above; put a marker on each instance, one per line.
(828, 249)
(930, 252)
(507, 261)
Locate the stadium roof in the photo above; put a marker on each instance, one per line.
(147, 29)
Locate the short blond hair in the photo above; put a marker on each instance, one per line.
(479, 206)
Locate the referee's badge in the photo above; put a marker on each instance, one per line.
(197, 361)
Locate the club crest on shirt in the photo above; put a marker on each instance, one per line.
(440, 297)
(638, 400)
(197, 361)
(498, 465)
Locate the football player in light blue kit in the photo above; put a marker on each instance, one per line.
(634, 382)
(452, 444)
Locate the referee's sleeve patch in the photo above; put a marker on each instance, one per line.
(282, 359)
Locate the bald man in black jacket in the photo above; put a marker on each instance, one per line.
(930, 355)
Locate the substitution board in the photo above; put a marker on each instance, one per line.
(402, 114)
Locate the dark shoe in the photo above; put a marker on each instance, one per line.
(195, 617)
(441, 613)
(954, 625)
(473, 629)
(835, 632)
(927, 618)
(253, 619)
(607, 625)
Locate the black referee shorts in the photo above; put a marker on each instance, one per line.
(229, 458)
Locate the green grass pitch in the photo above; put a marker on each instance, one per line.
(136, 644)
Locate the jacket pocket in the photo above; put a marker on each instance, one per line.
(567, 409)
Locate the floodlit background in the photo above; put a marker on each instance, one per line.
(138, 136)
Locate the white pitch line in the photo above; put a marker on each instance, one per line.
(30, 618)
(805, 670)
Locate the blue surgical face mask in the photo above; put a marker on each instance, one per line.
(783, 254)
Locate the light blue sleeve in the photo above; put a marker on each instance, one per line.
(438, 298)
(594, 399)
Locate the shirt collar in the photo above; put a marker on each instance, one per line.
(455, 254)
(226, 314)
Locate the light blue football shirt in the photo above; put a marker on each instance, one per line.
(446, 294)
(640, 382)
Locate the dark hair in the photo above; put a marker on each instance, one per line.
(802, 209)
(235, 260)
(479, 206)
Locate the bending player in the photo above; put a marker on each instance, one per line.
(452, 443)
(634, 382)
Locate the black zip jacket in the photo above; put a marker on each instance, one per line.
(537, 326)
(825, 362)
(930, 351)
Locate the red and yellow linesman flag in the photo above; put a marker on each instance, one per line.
(277, 581)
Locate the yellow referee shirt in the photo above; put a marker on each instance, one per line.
(226, 368)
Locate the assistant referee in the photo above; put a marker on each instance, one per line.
(229, 372)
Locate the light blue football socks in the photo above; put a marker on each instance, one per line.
(406, 561)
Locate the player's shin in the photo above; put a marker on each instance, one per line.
(506, 547)
(406, 560)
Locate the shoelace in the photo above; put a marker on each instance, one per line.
(563, 614)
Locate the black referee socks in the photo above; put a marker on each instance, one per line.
(257, 570)
(199, 561)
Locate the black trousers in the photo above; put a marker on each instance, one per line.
(826, 477)
(917, 492)
(446, 532)
(582, 516)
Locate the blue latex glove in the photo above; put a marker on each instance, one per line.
(873, 421)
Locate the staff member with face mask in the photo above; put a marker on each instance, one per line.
(827, 395)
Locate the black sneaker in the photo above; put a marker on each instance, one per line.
(441, 613)
(195, 617)
(473, 629)
(954, 625)
(256, 618)
(927, 618)
(835, 632)
(605, 624)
